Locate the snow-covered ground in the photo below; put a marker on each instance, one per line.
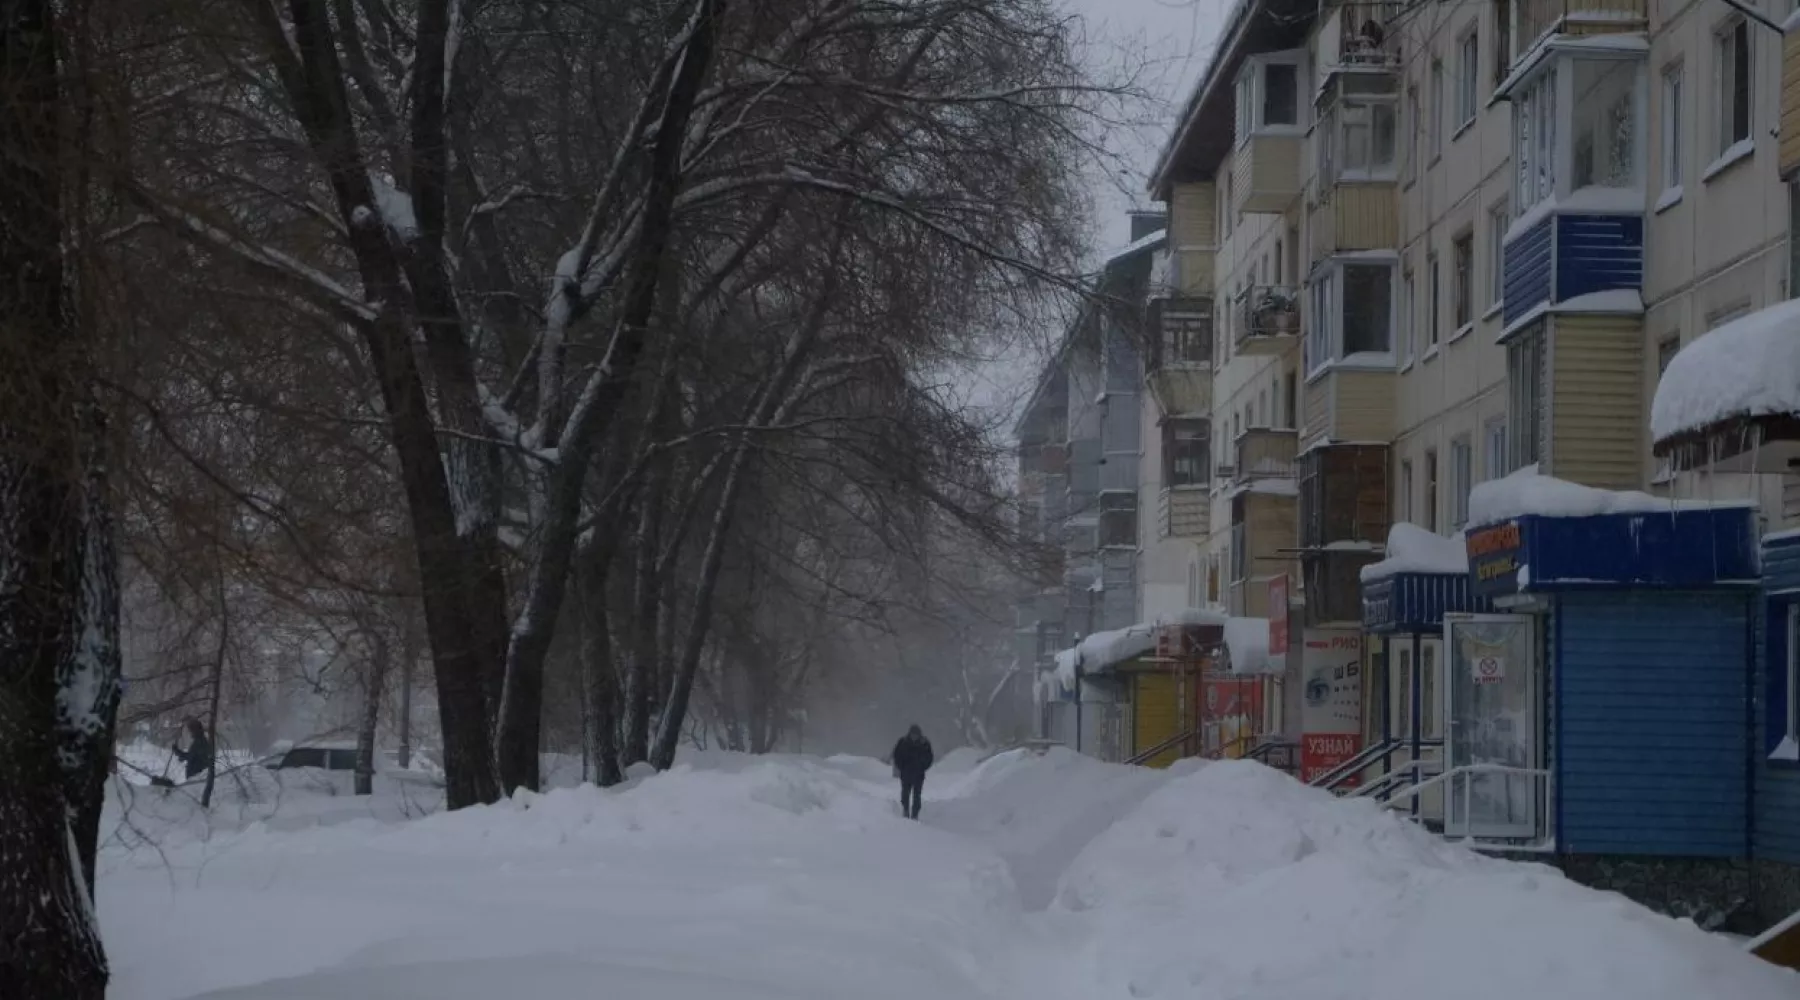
(1048, 878)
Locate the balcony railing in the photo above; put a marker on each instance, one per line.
(1366, 35)
(1181, 330)
(1268, 317)
(1265, 453)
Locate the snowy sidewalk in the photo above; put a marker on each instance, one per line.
(1053, 878)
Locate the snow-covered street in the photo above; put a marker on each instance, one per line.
(759, 878)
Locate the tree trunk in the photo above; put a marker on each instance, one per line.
(647, 601)
(217, 685)
(598, 674)
(374, 681)
(49, 944)
(89, 692)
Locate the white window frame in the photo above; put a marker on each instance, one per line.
(1462, 479)
(1538, 127)
(1462, 282)
(1434, 302)
(1325, 327)
(1360, 112)
(1430, 665)
(1409, 326)
(1495, 461)
(1670, 95)
(1726, 54)
(1252, 90)
(1468, 77)
(1437, 108)
(1497, 224)
(1527, 398)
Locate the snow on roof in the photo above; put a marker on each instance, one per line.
(1526, 493)
(1100, 651)
(1247, 641)
(1412, 549)
(1136, 246)
(1616, 300)
(1749, 367)
(1591, 199)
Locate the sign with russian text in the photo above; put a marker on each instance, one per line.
(1488, 669)
(1494, 560)
(1331, 700)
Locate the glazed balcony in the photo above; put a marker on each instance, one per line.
(1267, 321)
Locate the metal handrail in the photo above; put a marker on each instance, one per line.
(1547, 839)
(1387, 783)
(1163, 747)
(1374, 753)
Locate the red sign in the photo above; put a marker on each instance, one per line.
(1320, 752)
(1278, 616)
(1231, 714)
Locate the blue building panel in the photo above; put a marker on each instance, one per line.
(1653, 701)
(1416, 602)
(1777, 804)
(1597, 253)
(1672, 549)
(1526, 274)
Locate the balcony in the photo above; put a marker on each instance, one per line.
(1267, 321)
(1350, 216)
(1537, 18)
(1366, 36)
(1333, 580)
(1789, 160)
(1181, 349)
(1343, 519)
(1265, 454)
(1184, 512)
(1265, 169)
(1262, 543)
(1265, 173)
(1348, 404)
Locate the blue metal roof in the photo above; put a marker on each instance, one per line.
(1416, 602)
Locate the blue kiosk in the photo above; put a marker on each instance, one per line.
(1600, 715)
(1404, 600)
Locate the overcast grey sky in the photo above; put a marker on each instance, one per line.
(1173, 39)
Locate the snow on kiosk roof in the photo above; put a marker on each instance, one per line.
(1100, 652)
(1535, 533)
(1731, 399)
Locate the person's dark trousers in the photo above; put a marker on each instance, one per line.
(912, 788)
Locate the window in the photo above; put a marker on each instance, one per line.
(1604, 126)
(1462, 480)
(1666, 349)
(1291, 398)
(1494, 433)
(1368, 308)
(1436, 127)
(1789, 746)
(1406, 490)
(1671, 126)
(1731, 79)
(1468, 75)
(1502, 41)
(1525, 397)
(1497, 255)
(1370, 134)
(1434, 301)
(1431, 489)
(1268, 95)
(1408, 324)
(1118, 520)
(1353, 315)
(1462, 277)
(1187, 452)
(1403, 706)
(1414, 122)
(1430, 712)
(1534, 142)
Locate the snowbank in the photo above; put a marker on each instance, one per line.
(1525, 493)
(1247, 641)
(1236, 881)
(1412, 549)
(1749, 367)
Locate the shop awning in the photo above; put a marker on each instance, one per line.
(1730, 400)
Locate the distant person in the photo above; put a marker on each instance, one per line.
(912, 758)
(199, 754)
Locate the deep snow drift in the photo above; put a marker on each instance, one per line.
(1031, 877)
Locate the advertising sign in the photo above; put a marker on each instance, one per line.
(1494, 560)
(1232, 712)
(1331, 702)
(1278, 617)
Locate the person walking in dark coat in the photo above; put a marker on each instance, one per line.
(912, 758)
(199, 755)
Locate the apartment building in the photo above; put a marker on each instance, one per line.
(1454, 246)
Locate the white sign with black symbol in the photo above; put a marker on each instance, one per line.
(1488, 669)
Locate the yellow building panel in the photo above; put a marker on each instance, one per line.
(1367, 217)
(1155, 716)
(1265, 174)
(1315, 411)
(1596, 406)
(1194, 215)
(1362, 406)
(1790, 102)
